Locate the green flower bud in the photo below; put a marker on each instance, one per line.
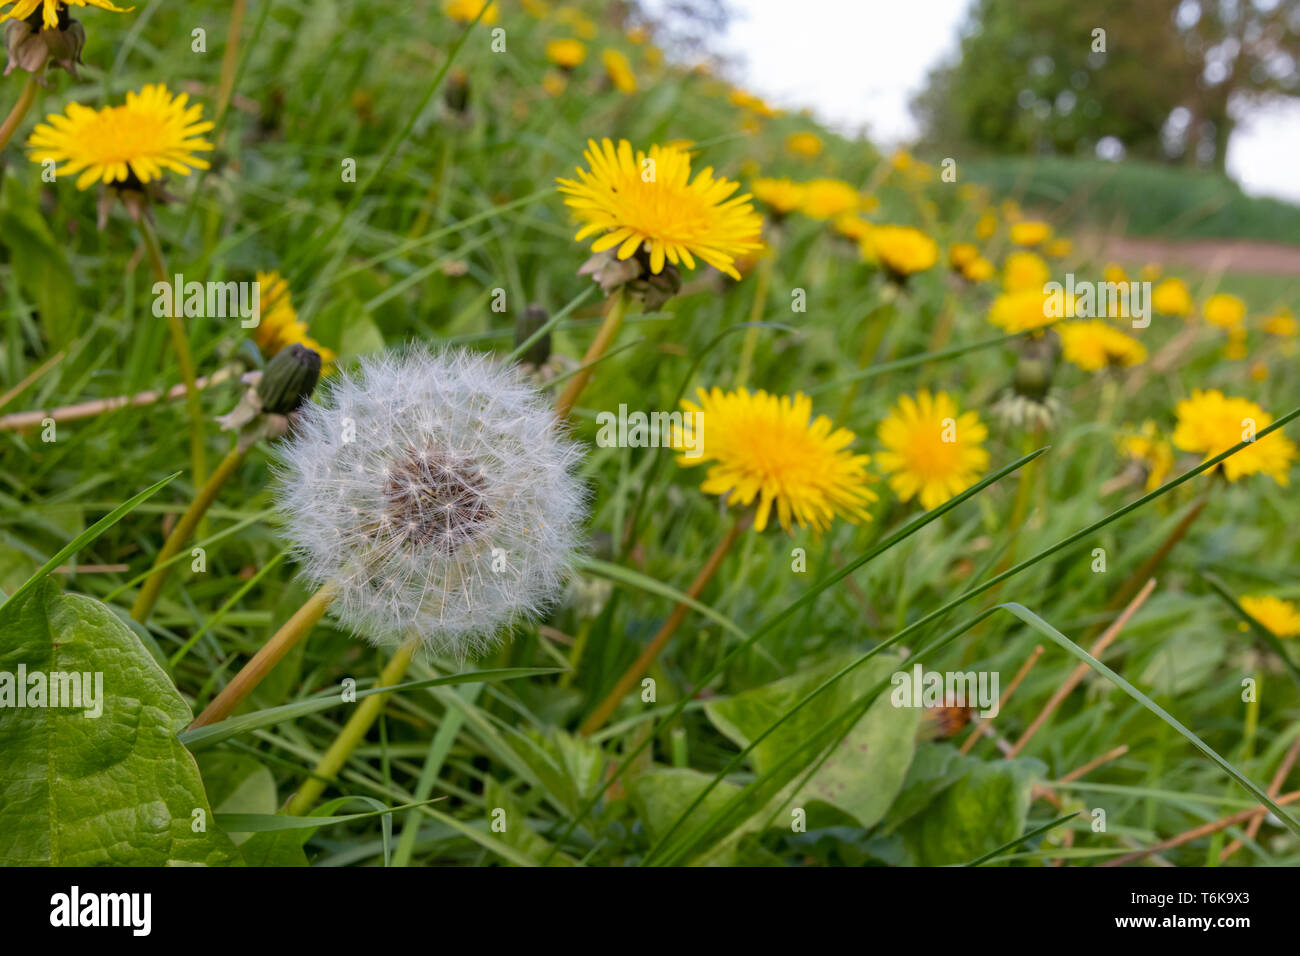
(289, 379)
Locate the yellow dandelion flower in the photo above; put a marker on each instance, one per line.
(1210, 422)
(986, 226)
(464, 11)
(138, 141)
(1258, 371)
(1278, 616)
(22, 9)
(780, 195)
(804, 144)
(1115, 273)
(1030, 232)
(566, 54)
(772, 449)
(1024, 270)
(554, 82)
(903, 250)
(1171, 297)
(1061, 248)
(931, 450)
(852, 226)
(279, 325)
(1224, 310)
(1282, 323)
(748, 101)
(1151, 272)
(638, 200)
(1011, 211)
(978, 269)
(1094, 345)
(828, 198)
(619, 70)
(960, 253)
(1151, 452)
(1024, 310)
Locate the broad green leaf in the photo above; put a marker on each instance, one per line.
(510, 826)
(934, 769)
(982, 811)
(866, 769)
(237, 783)
(658, 797)
(117, 789)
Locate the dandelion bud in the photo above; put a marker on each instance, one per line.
(436, 493)
(289, 379)
(30, 48)
(456, 95)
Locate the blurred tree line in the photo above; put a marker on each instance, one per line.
(1161, 82)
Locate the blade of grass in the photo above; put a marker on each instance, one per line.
(1038, 624)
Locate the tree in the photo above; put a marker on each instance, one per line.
(1160, 77)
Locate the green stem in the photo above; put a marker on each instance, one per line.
(252, 673)
(153, 584)
(352, 734)
(604, 339)
(870, 344)
(762, 281)
(16, 115)
(229, 61)
(181, 345)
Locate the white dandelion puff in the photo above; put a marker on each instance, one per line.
(437, 493)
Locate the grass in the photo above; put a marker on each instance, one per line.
(319, 84)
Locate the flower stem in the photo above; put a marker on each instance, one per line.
(153, 584)
(229, 61)
(181, 344)
(880, 319)
(599, 346)
(15, 118)
(243, 684)
(762, 281)
(353, 732)
(602, 713)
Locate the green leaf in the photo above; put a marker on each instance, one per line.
(517, 833)
(237, 784)
(866, 769)
(41, 271)
(984, 810)
(117, 789)
(658, 797)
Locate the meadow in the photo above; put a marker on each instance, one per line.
(905, 460)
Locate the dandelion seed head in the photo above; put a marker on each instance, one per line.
(452, 512)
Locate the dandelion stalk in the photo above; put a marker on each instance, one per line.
(646, 660)
(16, 115)
(747, 348)
(353, 732)
(230, 61)
(618, 305)
(152, 587)
(881, 319)
(284, 640)
(181, 345)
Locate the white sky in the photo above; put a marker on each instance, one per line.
(858, 62)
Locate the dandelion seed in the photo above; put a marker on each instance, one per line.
(472, 464)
